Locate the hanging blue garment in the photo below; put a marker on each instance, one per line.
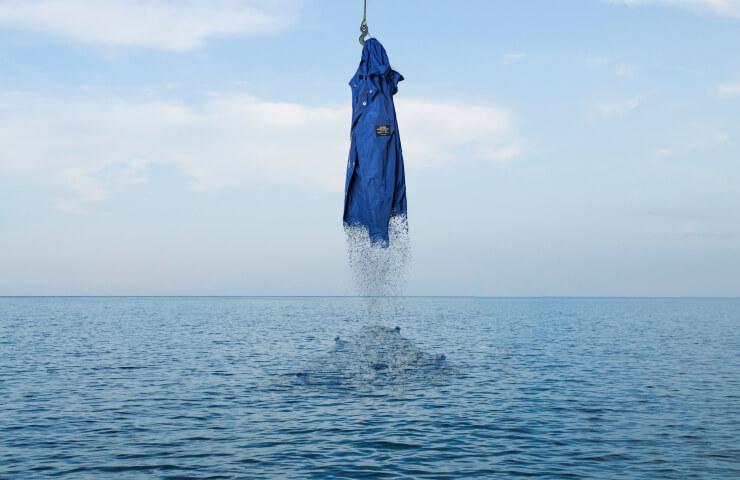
(375, 188)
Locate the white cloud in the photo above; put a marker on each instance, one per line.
(729, 90)
(434, 132)
(93, 148)
(620, 69)
(624, 70)
(615, 108)
(513, 57)
(161, 24)
(696, 139)
(726, 8)
(93, 184)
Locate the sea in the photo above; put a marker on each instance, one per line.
(345, 387)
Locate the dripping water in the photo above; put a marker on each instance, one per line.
(377, 352)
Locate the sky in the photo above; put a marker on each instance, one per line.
(198, 147)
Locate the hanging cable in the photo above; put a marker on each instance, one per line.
(363, 26)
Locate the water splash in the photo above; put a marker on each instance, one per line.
(378, 270)
(374, 355)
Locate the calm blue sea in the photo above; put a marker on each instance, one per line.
(468, 388)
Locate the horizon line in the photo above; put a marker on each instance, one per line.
(646, 297)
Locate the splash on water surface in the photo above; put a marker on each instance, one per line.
(374, 355)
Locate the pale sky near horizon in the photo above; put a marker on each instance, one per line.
(588, 147)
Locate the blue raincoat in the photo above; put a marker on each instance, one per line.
(375, 188)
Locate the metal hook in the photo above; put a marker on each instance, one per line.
(365, 31)
(363, 26)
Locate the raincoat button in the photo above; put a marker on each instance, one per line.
(364, 104)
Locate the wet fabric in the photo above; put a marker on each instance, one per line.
(375, 187)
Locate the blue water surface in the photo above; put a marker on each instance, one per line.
(262, 388)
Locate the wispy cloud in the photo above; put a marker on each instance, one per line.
(624, 70)
(94, 148)
(614, 107)
(726, 8)
(513, 57)
(436, 132)
(620, 69)
(92, 184)
(729, 90)
(697, 139)
(177, 25)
